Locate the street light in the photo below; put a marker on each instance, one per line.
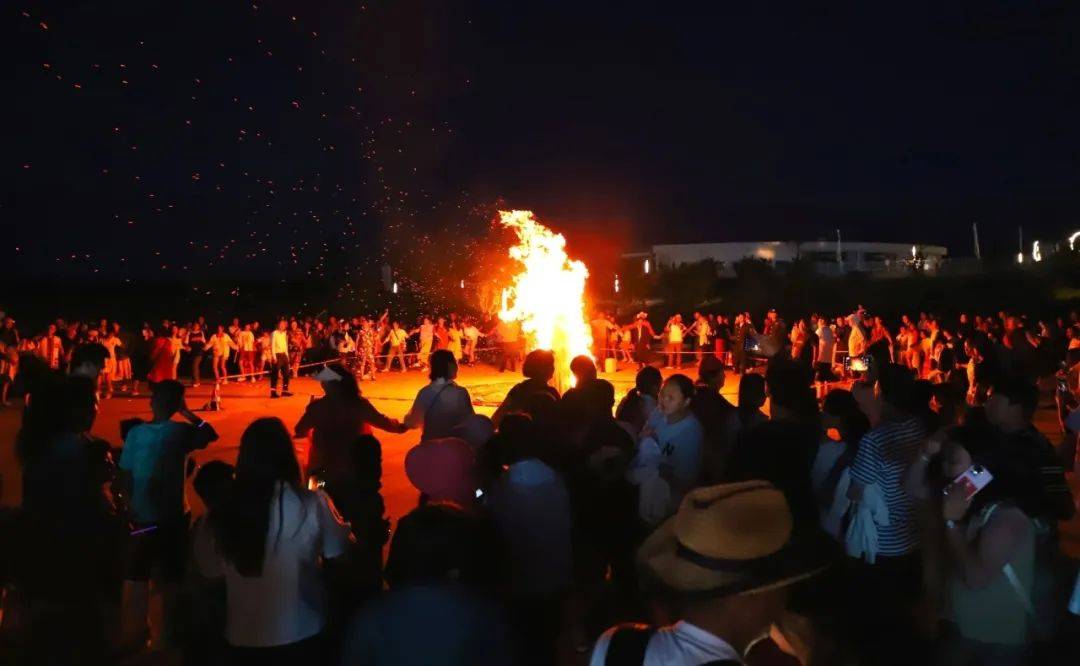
(616, 283)
(394, 288)
(647, 266)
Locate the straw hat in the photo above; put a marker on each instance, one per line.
(726, 540)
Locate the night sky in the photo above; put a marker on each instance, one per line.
(212, 139)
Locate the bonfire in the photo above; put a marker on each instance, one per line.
(547, 295)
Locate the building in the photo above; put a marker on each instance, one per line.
(827, 257)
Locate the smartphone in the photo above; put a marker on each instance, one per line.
(974, 479)
(857, 363)
(751, 344)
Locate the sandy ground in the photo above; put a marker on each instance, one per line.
(392, 394)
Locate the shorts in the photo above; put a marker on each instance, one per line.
(157, 551)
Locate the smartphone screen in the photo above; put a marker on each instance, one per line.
(974, 479)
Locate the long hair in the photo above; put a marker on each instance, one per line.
(266, 459)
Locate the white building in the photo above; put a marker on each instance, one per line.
(827, 258)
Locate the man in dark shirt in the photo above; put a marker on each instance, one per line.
(712, 410)
(337, 420)
(1010, 408)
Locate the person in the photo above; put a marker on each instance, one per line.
(270, 542)
(366, 350)
(279, 349)
(601, 325)
(669, 457)
(9, 370)
(439, 567)
(702, 332)
(674, 330)
(643, 335)
(843, 425)
(110, 342)
(858, 338)
(427, 339)
(726, 560)
(823, 359)
(455, 335)
(712, 410)
(639, 402)
(894, 580)
(299, 343)
(245, 343)
(122, 351)
(337, 419)
(752, 397)
(51, 348)
(472, 339)
(990, 547)
(1011, 408)
(65, 549)
(89, 360)
(441, 405)
(538, 368)
(197, 343)
(530, 505)
(221, 345)
(9, 335)
(203, 600)
(396, 338)
(441, 336)
(151, 473)
(178, 343)
(161, 357)
(508, 333)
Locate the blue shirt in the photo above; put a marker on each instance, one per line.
(155, 454)
(885, 454)
(680, 446)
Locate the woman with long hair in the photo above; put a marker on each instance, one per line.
(269, 541)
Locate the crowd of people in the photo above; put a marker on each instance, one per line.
(910, 516)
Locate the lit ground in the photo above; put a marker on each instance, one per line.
(392, 394)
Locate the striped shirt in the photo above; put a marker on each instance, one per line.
(885, 454)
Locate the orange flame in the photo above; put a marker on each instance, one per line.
(548, 295)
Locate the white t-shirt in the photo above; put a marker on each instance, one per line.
(287, 603)
(472, 332)
(245, 340)
(826, 344)
(439, 408)
(681, 644)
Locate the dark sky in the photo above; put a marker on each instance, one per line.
(208, 138)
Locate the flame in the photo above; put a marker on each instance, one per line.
(548, 295)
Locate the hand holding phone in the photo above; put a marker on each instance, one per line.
(974, 479)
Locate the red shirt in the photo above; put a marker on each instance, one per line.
(161, 360)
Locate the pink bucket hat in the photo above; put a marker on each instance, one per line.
(442, 469)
